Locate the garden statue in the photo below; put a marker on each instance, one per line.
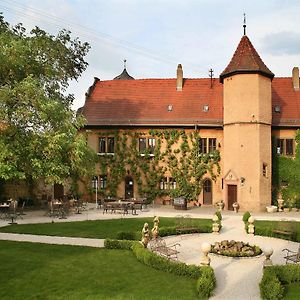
(205, 259)
(280, 203)
(155, 229)
(251, 225)
(236, 207)
(145, 235)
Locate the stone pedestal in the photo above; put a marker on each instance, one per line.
(268, 262)
(251, 227)
(205, 259)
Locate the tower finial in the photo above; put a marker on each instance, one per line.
(124, 63)
(244, 24)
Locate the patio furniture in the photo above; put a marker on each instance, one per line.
(292, 256)
(159, 246)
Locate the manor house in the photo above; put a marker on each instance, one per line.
(236, 116)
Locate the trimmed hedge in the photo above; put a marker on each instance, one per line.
(265, 228)
(116, 244)
(206, 281)
(274, 279)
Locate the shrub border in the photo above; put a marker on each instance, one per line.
(275, 277)
(206, 280)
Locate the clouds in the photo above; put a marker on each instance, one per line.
(155, 35)
(282, 43)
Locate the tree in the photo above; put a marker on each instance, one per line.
(39, 131)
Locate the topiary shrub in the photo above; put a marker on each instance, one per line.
(246, 216)
(219, 215)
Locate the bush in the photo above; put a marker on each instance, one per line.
(116, 244)
(206, 282)
(246, 216)
(128, 235)
(219, 215)
(166, 231)
(271, 285)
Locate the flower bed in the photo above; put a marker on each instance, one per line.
(235, 249)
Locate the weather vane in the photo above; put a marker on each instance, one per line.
(244, 24)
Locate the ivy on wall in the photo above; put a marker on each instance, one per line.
(176, 152)
(286, 175)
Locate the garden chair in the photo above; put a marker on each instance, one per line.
(292, 256)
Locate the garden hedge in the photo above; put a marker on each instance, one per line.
(206, 281)
(274, 279)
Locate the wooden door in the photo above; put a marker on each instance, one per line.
(129, 187)
(58, 191)
(232, 195)
(207, 192)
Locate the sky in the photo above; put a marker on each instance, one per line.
(154, 36)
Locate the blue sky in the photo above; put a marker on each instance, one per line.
(155, 35)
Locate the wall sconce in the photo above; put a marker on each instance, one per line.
(242, 180)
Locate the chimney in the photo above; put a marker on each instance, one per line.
(296, 78)
(179, 81)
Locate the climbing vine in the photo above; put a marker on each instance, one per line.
(286, 175)
(176, 152)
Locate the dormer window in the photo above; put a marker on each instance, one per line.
(170, 107)
(277, 109)
(205, 108)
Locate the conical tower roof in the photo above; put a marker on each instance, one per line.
(124, 76)
(246, 60)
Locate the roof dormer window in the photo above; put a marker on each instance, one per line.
(205, 108)
(277, 109)
(170, 107)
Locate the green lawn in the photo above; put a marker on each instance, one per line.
(94, 229)
(265, 228)
(41, 271)
(292, 291)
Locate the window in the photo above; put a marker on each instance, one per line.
(202, 145)
(110, 145)
(207, 145)
(103, 182)
(142, 144)
(279, 146)
(289, 149)
(264, 170)
(102, 145)
(285, 146)
(151, 145)
(172, 183)
(106, 145)
(212, 144)
(163, 184)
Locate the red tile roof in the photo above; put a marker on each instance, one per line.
(246, 60)
(145, 102)
(284, 95)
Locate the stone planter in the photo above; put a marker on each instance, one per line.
(271, 208)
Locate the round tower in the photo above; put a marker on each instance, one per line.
(247, 129)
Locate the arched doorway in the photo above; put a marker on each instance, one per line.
(207, 192)
(129, 187)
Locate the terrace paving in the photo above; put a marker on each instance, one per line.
(237, 278)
